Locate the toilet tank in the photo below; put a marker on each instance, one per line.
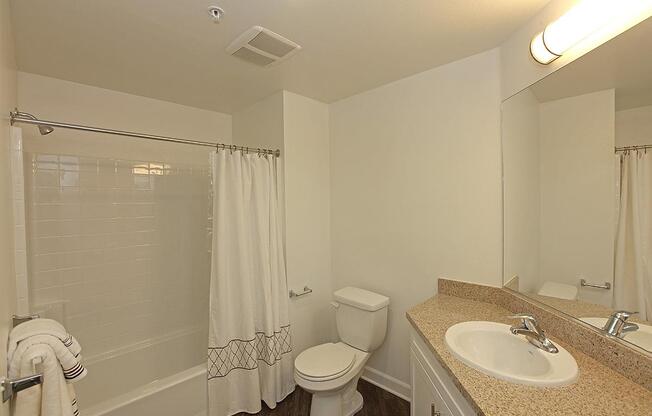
(361, 317)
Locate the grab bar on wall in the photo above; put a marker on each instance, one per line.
(306, 290)
(606, 285)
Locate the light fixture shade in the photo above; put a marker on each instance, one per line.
(539, 51)
(580, 22)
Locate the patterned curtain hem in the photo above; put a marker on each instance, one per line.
(247, 354)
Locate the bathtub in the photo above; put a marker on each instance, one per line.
(162, 377)
(181, 394)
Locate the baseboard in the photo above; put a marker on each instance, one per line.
(387, 383)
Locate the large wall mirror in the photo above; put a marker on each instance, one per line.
(577, 169)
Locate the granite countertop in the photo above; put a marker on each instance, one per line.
(598, 390)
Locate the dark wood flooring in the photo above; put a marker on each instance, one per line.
(377, 402)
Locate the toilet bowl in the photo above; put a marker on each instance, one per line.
(330, 372)
(558, 290)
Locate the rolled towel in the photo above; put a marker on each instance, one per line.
(52, 333)
(41, 326)
(71, 366)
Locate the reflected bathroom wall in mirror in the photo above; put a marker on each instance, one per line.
(577, 188)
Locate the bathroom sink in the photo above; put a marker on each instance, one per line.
(492, 349)
(641, 337)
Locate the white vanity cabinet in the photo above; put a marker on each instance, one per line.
(433, 392)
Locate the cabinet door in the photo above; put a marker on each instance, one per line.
(447, 398)
(426, 401)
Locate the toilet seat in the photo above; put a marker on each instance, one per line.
(325, 362)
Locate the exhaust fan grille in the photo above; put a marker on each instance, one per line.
(262, 47)
(253, 57)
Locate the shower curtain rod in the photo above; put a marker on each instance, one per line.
(638, 147)
(21, 117)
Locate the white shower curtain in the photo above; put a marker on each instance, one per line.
(633, 273)
(249, 346)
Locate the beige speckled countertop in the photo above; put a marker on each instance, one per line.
(598, 390)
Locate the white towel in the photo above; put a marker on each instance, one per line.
(70, 362)
(54, 397)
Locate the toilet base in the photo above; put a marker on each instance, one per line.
(344, 403)
(355, 405)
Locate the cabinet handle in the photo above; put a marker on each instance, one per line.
(433, 411)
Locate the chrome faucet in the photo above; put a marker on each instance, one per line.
(617, 324)
(533, 333)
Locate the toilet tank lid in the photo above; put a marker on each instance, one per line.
(360, 298)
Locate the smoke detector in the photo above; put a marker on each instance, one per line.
(262, 47)
(216, 13)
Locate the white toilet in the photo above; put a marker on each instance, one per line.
(558, 290)
(331, 371)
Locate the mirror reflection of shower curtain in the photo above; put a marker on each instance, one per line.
(249, 350)
(633, 270)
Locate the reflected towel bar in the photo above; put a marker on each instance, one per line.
(606, 285)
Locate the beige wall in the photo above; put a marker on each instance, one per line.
(260, 125)
(58, 100)
(521, 193)
(299, 127)
(578, 191)
(415, 190)
(308, 228)
(559, 191)
(634, 126)
(7, 102)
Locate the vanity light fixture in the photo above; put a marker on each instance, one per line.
(578, 23)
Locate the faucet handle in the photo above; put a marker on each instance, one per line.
(623, 315)
(528, 321)
(523, 317)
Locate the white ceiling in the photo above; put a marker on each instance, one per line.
(171, 50)
(624, 63)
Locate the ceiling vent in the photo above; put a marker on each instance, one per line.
(262, 47)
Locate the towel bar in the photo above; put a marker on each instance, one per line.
(11, 387)
(306, 290)
(19, 319)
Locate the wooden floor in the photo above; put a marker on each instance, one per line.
(377, 402)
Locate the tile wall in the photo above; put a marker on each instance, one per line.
(20, 243)
(118, 250)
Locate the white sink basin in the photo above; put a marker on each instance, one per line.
(492, 349)
(641, 337)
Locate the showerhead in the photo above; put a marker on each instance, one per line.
(44, 129)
